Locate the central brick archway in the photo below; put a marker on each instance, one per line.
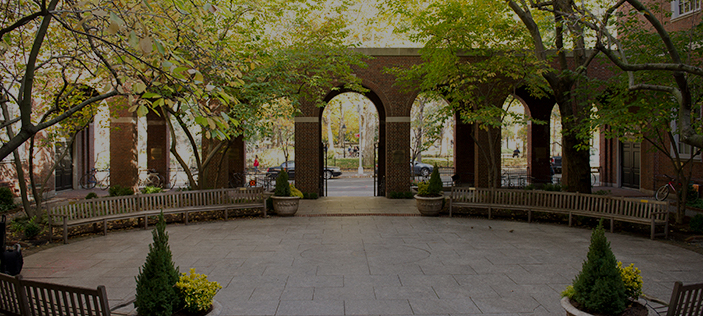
(394, 104)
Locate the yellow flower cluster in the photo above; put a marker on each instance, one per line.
(196, 291)
(632, 279)
(295, 192)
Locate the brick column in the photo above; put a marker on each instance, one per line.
(538, 138)
(158, 144)
(236, 155)
(464, 152)
(124, 167)
(307, 154)
(482, 164)
(397, 154)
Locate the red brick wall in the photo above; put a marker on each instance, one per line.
(307, 155)
(158, 144)
(124, 168)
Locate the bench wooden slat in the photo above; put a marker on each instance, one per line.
(74, 213)
(54, 300)
(637, 211)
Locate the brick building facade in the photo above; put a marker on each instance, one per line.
(639, 165)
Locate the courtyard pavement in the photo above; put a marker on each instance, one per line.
(366, 256)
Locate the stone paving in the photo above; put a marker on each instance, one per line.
(338, 258)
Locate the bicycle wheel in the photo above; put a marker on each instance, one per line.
(162, 182)
(88, 181)
(105, 183)
(153, 180)
(662, 193)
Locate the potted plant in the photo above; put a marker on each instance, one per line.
(196, 293)
(284, 202)
(603, 287)
(429, 196)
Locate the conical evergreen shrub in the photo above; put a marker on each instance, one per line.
(156, 294)
(282, 185)
(599, 287)
(435, 187)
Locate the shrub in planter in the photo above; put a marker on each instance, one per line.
(632, 280)
(295, 192)
(599, 287)
(282, 185)
(432, 188)
(156, 294)
(196, 292)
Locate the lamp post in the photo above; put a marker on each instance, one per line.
(344, 146)
(361, 139)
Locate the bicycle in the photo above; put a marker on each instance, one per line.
(89, 180)
(663, 191)
(153, 179)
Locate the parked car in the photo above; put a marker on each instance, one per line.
(421, 169)
(555, 163)
(272, 172)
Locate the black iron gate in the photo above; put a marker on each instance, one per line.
(323, 166)
(379, 179)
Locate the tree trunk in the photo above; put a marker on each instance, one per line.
(576, 169)
(330, 135)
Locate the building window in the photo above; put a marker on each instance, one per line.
(683, 7)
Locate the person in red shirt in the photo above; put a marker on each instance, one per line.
(256, 163)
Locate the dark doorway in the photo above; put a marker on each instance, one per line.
(630, 165)
(64, 169)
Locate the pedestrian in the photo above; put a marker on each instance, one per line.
(516, 153)
(256, 164)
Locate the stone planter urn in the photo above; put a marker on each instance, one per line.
(573, 311)
(216, 310)
(429, 206)
(285, 205)
(570, 309)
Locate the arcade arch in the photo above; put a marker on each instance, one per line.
(349, 124)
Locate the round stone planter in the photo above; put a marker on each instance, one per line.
(285, 205)
(570, 309)
(215, 311)
(573, 311)
(429, 206)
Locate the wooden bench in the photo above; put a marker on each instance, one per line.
(24, 297)
(102, 210)
(637, 211)
(686, 300)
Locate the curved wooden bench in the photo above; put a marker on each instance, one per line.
(653, 213)
(103, 210)
(24, 297)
